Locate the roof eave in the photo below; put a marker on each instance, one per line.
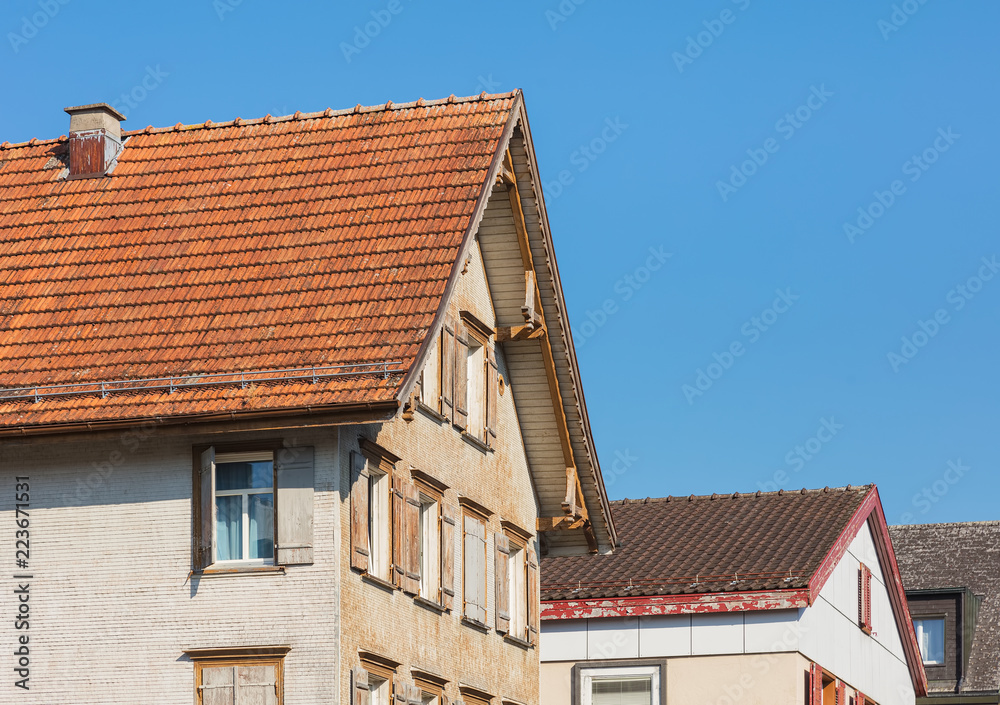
(689, 603)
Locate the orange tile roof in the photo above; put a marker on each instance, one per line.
(323, 239)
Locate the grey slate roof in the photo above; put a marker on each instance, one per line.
(955, 556)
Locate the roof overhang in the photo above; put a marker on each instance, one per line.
(706, 603)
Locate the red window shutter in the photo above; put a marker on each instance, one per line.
(461, 376)
(362, 694)
(502, 565)
(398, 531)
(860, 699)
(447, 407)
(815, 684)
(411, 550)
(865, 598)
(841, 691)
(492, 395)
(359, 512)
(533, 596)
(448, 523)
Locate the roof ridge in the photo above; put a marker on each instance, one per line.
(993, 522)
(741, 495)
(298, 115)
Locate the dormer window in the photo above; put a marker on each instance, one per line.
(930, 638)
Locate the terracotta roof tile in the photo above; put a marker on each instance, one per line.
(319, 239)
(713, 543)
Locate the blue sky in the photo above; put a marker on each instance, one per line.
(730, 301)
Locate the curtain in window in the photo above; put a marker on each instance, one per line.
(229, 528)
(621, 691)
(261, 519)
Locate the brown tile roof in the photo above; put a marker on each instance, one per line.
(959, 555)
(704, 544)
(257, 245)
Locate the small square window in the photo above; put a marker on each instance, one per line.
(930, 638)
(630, 685)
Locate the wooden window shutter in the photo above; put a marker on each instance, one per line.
(841, 693)
(533, 596)
(448, 523)
(865, 598)
(502, 570)
(411, 532)
(474, 559)
(398, 531)
(461, 376)
(399, 692)
(359, 513)
(257, 684)
(492, 395)
(447, 407)
(815, 684)
(859, 699)
(415, 695)
(294, 481)
(218, 685)
(204, 494)
(360, 689)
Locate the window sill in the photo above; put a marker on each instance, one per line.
(475, 442)
(378, 582)
(430, 412)
(429, 604)
(239, 570)
(475, 624)
(516, 641)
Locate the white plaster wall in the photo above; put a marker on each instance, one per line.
(112, 603)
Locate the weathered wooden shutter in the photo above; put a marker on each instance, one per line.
(533, 595)
(502, 570)
(400, 690)
(218, 686)
(461, 376)
(492, 395)
(411, 550)
(528, 309)
(398, 531)
(361, 693)
(414, 695)
(205, 492)
(447, 353)
(815, 684)
(448, 524)
(474, 559)
(295, 479)
(360, 553)
(256, 685)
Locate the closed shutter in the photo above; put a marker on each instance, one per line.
(411, 550)
(502, 570)
(415, 696)
(448, 527)
(295, 478)
(865, 597)
(860, 699)
(492, 395)
(447, 408)
(841, 693)
(360, 554)
(815, 684)
(461, 376)
(205, 508)
(400, 692)
(398, 531)
(475, 570)
(218, 686)
(256, 685)
(361, 694)
(533, 596)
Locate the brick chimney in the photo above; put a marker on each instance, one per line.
(95, 139)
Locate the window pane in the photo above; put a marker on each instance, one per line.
(930, 636)
(229, 528)
(622, 691)
(241, 476)
(261, 511)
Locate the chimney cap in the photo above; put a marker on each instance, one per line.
(95, 107)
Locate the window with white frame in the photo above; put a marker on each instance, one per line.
(244, 507)
(930, 638)
(517, 580)
(379, 548)
(631, 685)
(430, 548)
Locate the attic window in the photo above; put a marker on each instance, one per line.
(930, 638)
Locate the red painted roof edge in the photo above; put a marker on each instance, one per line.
(595, 465)
(699, 603)
(870, 512)
(406, 388)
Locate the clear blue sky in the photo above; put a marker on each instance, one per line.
(832, 100)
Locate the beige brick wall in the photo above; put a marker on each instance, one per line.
(391, 623)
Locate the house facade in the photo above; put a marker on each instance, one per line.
(951, 573)
(783, 597)
(289, 410)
